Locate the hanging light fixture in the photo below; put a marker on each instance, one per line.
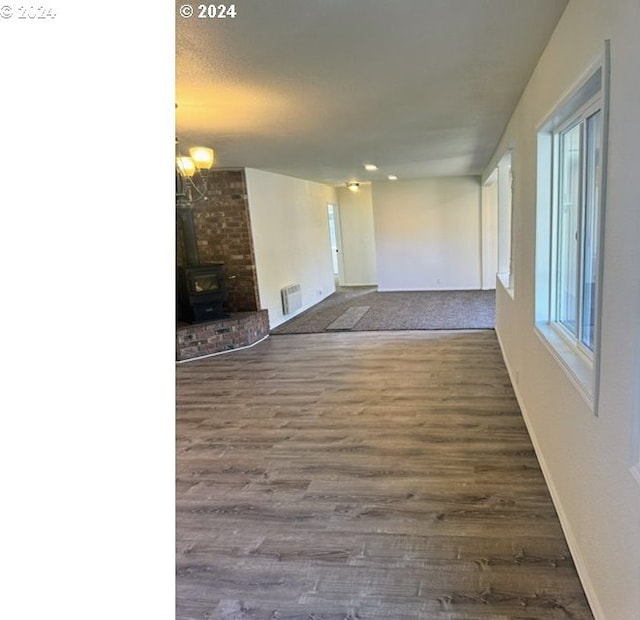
(192, 174)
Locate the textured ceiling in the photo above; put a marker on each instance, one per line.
(317, 88)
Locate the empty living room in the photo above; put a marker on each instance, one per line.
(407, 371)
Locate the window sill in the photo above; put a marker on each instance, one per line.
(505, 280)
(575, 364)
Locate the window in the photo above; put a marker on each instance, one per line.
(505, 192)
(569, 229)
(496, 208)
(576, 217)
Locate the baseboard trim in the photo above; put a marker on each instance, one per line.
(581, 567)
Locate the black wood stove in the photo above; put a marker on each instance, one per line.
(201, 292)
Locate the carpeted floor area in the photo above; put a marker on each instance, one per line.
(366, 309)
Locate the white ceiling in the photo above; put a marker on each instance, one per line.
(317, 88)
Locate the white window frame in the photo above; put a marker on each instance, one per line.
(579, 362)
(580, 118)
(505, 222)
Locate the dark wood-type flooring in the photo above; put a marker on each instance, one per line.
(363, 475)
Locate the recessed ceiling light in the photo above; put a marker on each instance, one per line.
(370, 167)
(392, 177)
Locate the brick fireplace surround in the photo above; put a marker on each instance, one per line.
(223, 233)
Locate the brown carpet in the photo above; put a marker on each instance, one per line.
(366, 309)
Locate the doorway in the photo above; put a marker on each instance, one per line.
(334, 237)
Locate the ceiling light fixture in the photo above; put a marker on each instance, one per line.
(353, 186)
(392, 177)
(370, 167)
(192, 175)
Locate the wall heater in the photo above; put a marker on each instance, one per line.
(291, 298)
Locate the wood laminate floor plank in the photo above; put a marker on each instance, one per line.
(361, 476)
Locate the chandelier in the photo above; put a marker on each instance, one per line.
(192, 175)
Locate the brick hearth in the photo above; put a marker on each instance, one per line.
(239, 330)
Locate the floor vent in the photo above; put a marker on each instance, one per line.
(291, 298)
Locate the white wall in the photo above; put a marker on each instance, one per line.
(588, 460)
(290, 228)
(427, 234)
(358, 237)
